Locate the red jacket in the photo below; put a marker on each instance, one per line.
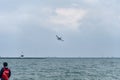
(5, 73)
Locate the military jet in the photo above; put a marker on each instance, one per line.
(59, 38)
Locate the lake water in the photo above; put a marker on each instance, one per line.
(64, 69)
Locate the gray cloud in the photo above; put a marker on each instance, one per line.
(31, 26)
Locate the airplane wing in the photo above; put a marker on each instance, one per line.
(57, 36)
(62, 40)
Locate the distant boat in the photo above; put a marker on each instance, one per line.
(22, 56)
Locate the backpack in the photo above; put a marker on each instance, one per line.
(5, 74)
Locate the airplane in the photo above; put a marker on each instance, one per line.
(59, 38)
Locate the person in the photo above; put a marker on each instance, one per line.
(5, 72)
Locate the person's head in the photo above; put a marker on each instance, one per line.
(5, 64)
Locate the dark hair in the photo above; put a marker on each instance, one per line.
(5, 64)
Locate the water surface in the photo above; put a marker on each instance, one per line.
(64, 69)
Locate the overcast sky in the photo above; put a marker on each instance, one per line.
(90, 28)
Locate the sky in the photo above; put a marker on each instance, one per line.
(90, 28)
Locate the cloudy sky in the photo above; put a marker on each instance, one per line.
(90, 28)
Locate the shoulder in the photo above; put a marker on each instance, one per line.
(5, 69)
(8, 69)
(2, 69)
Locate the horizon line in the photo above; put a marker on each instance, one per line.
(49, 57)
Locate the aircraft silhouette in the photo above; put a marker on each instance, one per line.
(59, 38)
